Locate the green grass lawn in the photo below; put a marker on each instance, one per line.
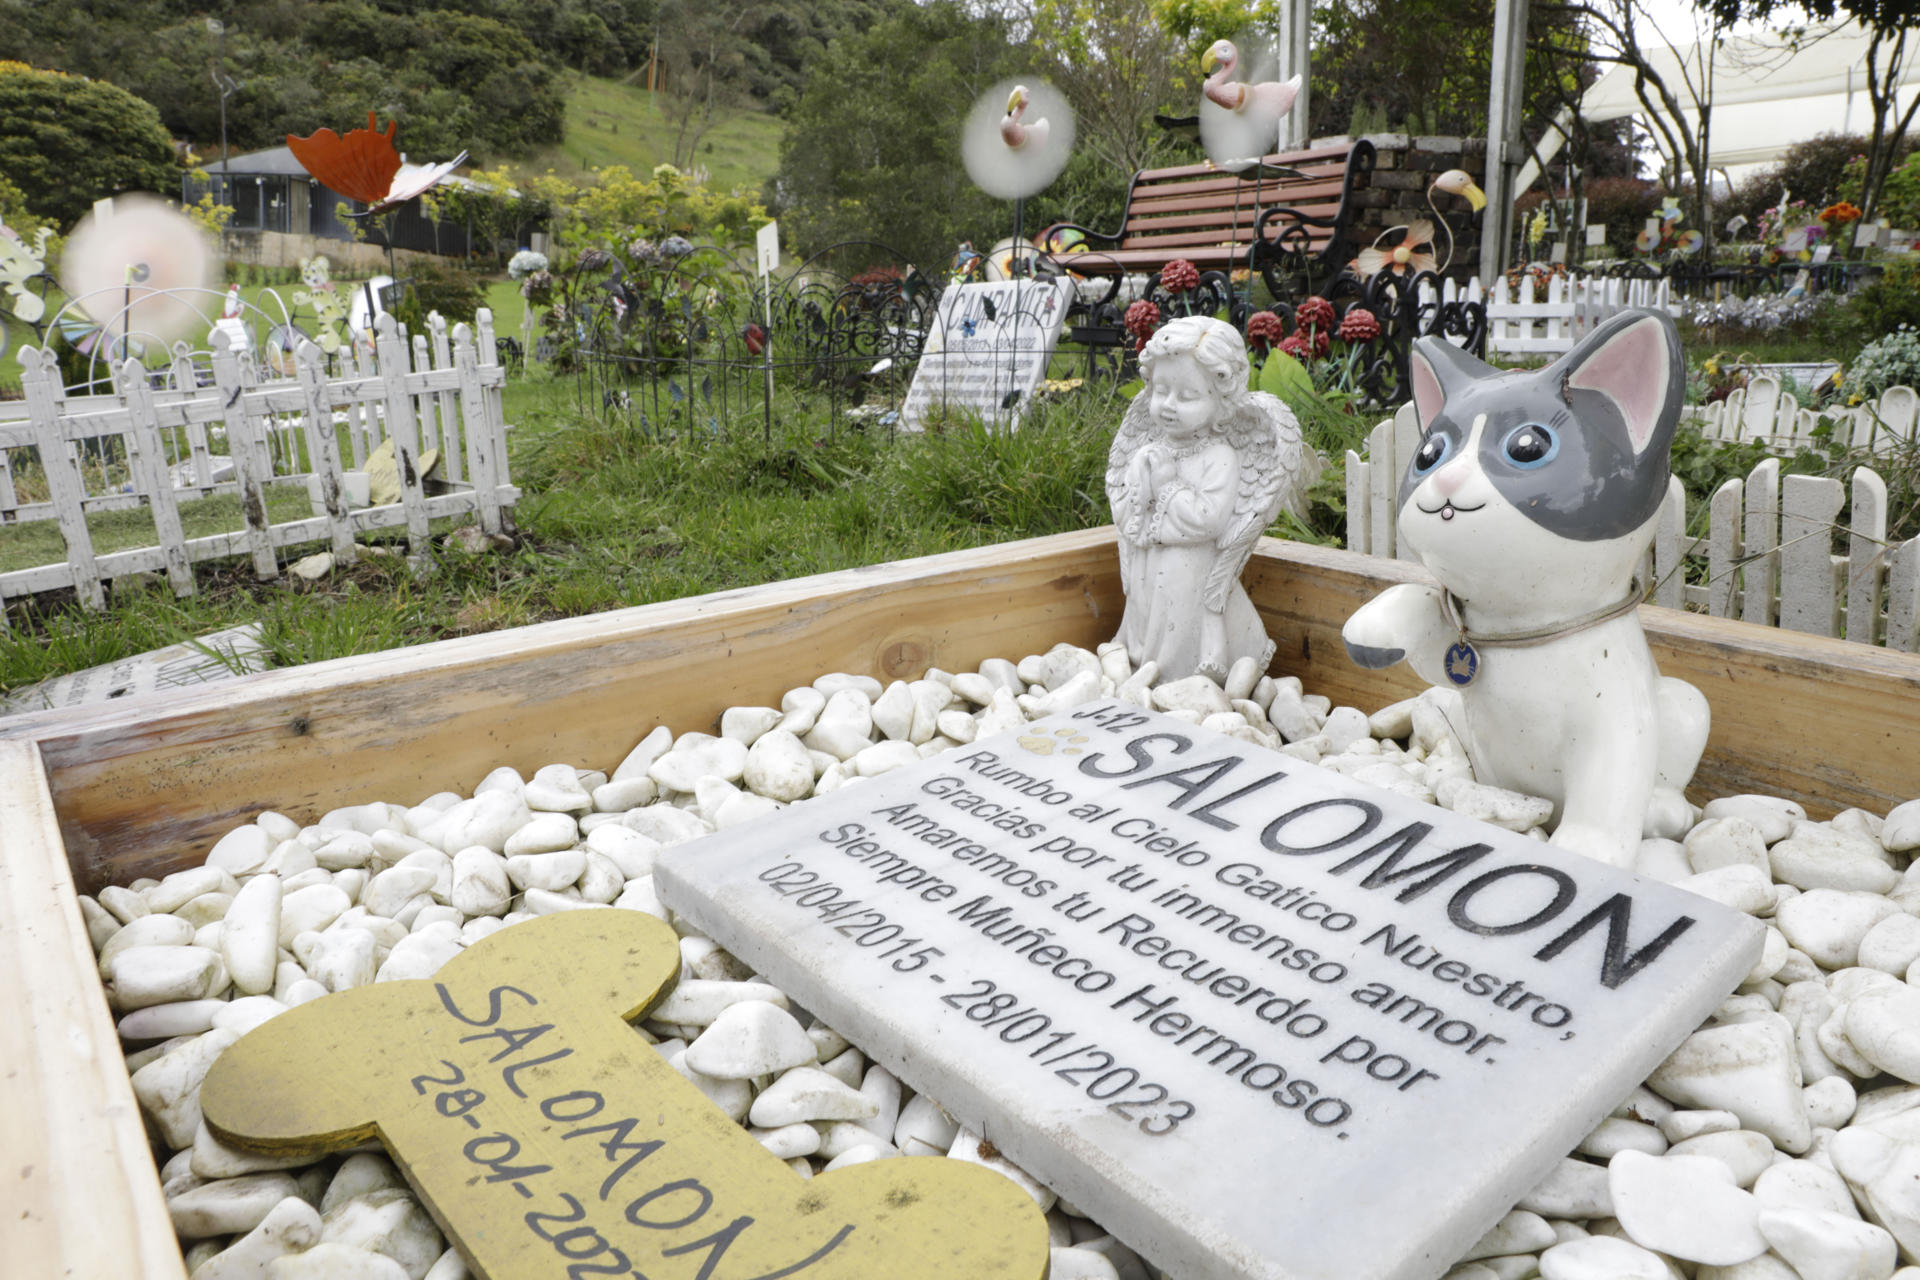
(612, 122)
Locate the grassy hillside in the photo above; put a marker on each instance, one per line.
(611, 122)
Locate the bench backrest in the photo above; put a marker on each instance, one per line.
(1198, 206)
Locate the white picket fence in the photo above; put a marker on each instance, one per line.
(1526, 319)
(1762, 411)
(440, 391)
(1768, 546)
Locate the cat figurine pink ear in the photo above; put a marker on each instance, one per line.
(1532, 500)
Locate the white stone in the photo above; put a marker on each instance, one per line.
(1746, 1154)
(924, 1127)
(1678, 1126)
(1601, 1258)
(841, 1136)
(343, 959)
(1829, 924)
(745, 725)
(621, 794)
(1346, 726)
(779, 766)
(836, 681)
(1685, 1206)
(1829, 1246)
(1773, 816)
(884, 757)
(1830, 1102)
(696, 756)
(957, 725)
(1816, 856)
(243, 850)
(1901, 831)
(549, 871)
(789, 1140)
(1079, 1264)
(547, 833)
(1518, 1232)
(892, 712)
(481, 886)
(1884, 1173)
(183, 887)
(388, 1222)
(750, 1038)
(327, 1261)
(346, 850)
(1802, 1184)
(291, 1226)
(230, 1206)
(1083, 688)
(1750, 1069)
(1884, 1025)
(1726, 842)
(697, 1002)
(144, 931)
(810, 1094)
(967, 1145)
(488, 819)
(880, 1087)
(395, 887)
(1614, 1135)
(1192, 693)
(1892, 945)
(142, 976)
(165, 1021)
(1493, 805)
(732, 1096)
(844, 727)
(169, 1086)
(420, 954)
(639, 760)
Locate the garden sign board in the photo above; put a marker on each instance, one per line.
(1256, 1018)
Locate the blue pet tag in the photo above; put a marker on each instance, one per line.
(1463, 664)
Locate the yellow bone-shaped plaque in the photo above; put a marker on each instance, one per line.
(548, 1138)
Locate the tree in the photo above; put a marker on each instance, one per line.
(1888, 23)
(873, 151)
(67, 141)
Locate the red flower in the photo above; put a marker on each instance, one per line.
(1321, 342)
(1143, 318)
(1294, 347)
(1359, 325)
(1179, 276)
(1315, 313)
(1264, 328)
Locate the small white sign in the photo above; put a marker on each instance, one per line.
(1822, 252)
(1559, 252)
(1796, 241)
(767, 242)
(1596, 234)
(1867, 235)
(989, 349)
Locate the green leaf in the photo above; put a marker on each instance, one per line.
(1285, 377)
(1129, 390)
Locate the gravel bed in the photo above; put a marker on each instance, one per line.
(1781, 1140)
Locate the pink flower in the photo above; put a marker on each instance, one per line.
(1294, 347)
(1359, 325)
(1142, 319)
(1179, 276)
(1315, 313)
(1264, 328)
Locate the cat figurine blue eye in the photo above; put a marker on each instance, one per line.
(1532, 499)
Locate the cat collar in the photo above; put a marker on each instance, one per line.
(1463, 656)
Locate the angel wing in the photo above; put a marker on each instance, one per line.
(1134, 432)
(1276, 469)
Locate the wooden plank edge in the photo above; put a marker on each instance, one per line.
(86, 1199)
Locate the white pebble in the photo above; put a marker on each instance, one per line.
(750, 1038)
(1685, 1206)
(1601, 1258)
(1829, 1246)
(810, 1094)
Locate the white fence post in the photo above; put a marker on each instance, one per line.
(403, 429)
(1866, 555)
(147, 459)
(1809, 506)
(323, 449)
(248, 450)
(40, 373)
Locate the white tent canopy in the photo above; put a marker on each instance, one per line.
(1766, 96)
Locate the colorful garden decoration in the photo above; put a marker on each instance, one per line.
(1240, 121)
(1413, 253)
(1663, 233)
(133, 264)
(329, 304)
(1533, 499)
(20, 263)
(1017, 139)
(1198, 470)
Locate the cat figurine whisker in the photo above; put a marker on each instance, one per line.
(1532, 500)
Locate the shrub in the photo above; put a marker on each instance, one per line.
(454, 293)
(1892, 300)
(1623, 205)
(1892, 361)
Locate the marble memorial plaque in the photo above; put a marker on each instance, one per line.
(988, 349)
(1256, 1018)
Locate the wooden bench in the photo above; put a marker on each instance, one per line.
(1220, 221)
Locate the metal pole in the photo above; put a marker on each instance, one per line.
(1503, 134)
(1295, 56)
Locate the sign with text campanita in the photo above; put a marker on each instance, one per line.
(1255, 1018)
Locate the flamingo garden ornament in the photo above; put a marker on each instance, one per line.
(1414, 252)
(1239, 121)
(1016, 133)
(1017, 138)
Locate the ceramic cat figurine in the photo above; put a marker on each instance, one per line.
(1532, 500)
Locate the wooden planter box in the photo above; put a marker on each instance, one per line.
(109, 794)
